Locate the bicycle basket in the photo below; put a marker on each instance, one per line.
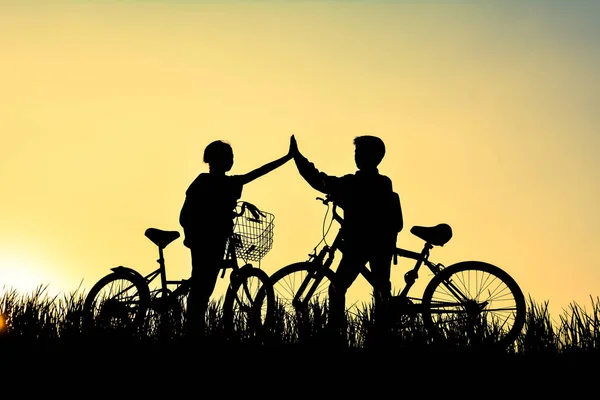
(254, 235)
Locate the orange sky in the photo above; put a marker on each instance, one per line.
(489, 114)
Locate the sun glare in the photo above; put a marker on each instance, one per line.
(21, 273)
(2, 323)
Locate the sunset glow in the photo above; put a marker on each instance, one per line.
(489, 112)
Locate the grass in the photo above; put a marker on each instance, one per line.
(38, 317)
(45, 332)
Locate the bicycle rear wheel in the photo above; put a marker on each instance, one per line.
(473, 304)
(297, 315)
(249, 303)
(118, 303)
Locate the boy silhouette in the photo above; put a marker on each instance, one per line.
(207, 220)
(372, 220)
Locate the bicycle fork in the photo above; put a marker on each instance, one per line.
(314, 278)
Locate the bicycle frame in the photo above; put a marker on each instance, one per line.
(248, 287)
(472, 301)
(324, 259)
(182, 285)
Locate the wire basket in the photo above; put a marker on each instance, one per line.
(253, 235)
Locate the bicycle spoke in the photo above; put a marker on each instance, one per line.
(305, 315)
(247, 304)
(287, 287)
(474, 302)
(117, 301)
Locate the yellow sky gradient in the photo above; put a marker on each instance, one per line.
(489, 114)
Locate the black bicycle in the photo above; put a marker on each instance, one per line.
(124, 300)
(470, 302)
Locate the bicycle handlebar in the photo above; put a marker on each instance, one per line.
(338, 218)
(256, 213)
(328, 200)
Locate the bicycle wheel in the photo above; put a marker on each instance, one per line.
(248, 305)
(165, 314)
(117, 302)
(287, 284)
(474, 303)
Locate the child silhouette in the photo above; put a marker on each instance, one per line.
(372, 220)
(207, 221)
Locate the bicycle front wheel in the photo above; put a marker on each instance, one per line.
(473, 304)
(300, 299)
(117, 302)
(248, 305)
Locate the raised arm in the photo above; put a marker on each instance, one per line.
(265, 169)
(318, 180)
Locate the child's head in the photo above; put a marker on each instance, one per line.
(368, 151)
(219, 156)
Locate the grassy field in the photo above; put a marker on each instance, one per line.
(35, 328)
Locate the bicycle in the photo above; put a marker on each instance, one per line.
(124, 300)
(472, 302)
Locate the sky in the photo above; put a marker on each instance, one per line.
(489, 113)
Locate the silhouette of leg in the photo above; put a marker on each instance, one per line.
(206, 264)
(380, 265)
(204, 279)
(345, 275)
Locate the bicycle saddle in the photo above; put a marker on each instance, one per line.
(161, 238)
(437, 235)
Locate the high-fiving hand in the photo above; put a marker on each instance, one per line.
(293, 147)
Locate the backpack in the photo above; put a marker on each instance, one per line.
(394, 211)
